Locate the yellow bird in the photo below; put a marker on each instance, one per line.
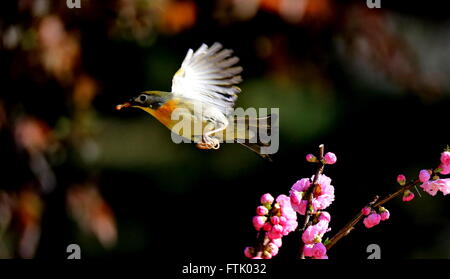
(204, 92)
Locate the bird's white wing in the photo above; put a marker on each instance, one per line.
(209, 75)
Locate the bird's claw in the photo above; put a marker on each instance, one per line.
(209, 143)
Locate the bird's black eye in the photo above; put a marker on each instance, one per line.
(142, 98)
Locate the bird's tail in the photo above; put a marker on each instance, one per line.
(246, 133)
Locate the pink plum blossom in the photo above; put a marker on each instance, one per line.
(444, 186)
(313, 233)
(372, 220)
(323, 195)
(300, 208)
(445, 169)
(325, 216)
(290, 217)
(310, 234)
(324, 192)
(296, 197)
(319, 251)
(316, 251)
(302, 185)
(431, 187)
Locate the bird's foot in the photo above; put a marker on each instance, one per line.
(209, 143)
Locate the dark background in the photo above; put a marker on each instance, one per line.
(369, 84)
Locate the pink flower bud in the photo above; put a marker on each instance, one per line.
(385, 215)
(408, 196)
(330, 158)
(277, 228)
(275, 220)
(372, 220)
(401, 179)
(259, 221)
(267, 227)
(267, 198)
(249, 251)
(311, 158)
(445, 158)
(366, 211)
(424, 176)
(262, 210)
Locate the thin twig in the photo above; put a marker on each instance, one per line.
(375, 203)
(311, 192)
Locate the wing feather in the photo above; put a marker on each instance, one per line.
(209, 75)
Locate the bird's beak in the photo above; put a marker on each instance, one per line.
(124, 105)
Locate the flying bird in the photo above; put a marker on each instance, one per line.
(205, 90)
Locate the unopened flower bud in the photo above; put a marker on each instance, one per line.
(311, 158)
(249, 252)
(262, 210)
(366, 211)
(259, 221)
(330, 158)
(384, 214)
(372, 220)
(267, 227)
(275, 220)
(277, 228)
(408, 196)
(267, 199)
(445, 158)
(424, 176)
(401, 179)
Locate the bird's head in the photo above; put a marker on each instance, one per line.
(146, 100)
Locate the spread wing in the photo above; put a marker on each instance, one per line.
(208, 75)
